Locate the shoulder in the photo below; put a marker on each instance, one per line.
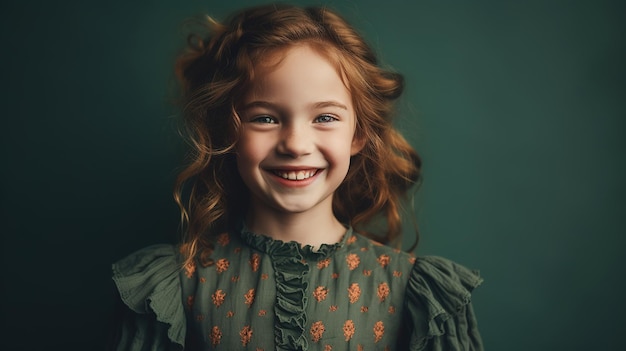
(439, 307)
(149, 285)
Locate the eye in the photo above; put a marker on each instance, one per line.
(325, 119)
(264, 119)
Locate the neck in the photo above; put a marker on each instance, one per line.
(313, 227)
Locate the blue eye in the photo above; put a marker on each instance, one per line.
(265, 119)
(325, 119)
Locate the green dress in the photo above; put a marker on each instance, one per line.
(265, 294)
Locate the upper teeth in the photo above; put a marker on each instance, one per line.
(293, 175)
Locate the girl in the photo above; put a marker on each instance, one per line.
(293, 151)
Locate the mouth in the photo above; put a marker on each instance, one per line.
(295, 175)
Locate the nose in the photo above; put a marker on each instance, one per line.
(295, 141)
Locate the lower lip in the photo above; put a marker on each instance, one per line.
(295, 183)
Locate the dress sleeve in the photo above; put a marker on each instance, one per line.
(439, 312)
(148, 284)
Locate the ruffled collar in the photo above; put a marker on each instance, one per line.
(273, 247)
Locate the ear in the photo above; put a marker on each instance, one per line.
(358, 143)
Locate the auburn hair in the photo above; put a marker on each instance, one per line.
(214, 72)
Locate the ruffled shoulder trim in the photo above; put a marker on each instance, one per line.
(438, 299)
(148, 282)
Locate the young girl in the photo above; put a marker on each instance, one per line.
(293, 152)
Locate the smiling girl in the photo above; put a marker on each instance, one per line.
(294, 151)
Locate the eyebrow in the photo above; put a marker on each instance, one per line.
(317, 105)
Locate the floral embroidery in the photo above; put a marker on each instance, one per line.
(317, 330)
(190, 300)
(351, 240)
(320, 293)
(379, 331)
(249, 297)
(229, 314)
(264, 276)
(223, 239)
(254, 262)
(202, 280)
(348, 329)
(221, 265)
(383, 291)
(234, 278)
(216, 336)
(367, 272)
(353, 261)
(397, 273)
(218, 298)
(328, 348)
(354, 292)
(323, 263)
(391, 310)
(364, 309)
(190, 268)
(262, 313)
(246, 335)
(332, 308)
(412, 260)
(383, 260)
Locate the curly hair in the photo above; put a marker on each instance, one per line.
(214, 72)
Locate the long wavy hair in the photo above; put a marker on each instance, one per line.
(214, 72)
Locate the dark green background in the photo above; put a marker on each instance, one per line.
(517, 109)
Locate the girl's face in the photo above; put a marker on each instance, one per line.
(297, 132)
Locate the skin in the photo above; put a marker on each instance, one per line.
(298, 121)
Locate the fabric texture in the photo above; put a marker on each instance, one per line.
(265, 294)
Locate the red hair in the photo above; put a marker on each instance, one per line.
(214, 73)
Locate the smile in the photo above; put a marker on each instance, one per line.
(296, 175)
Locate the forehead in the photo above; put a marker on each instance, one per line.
(298, 71)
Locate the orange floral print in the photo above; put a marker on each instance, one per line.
(246, 335)
(229, 314)
(249, 297)
(223, 239)
(364, 309)
(320, 293)
(221, 265)
(397, 274)
(367, 272)
(348, 329)
(332, 308)
(383, 291)
(254, 262)
(383, 260)
(412, 260)
(354, 292)
(391, 310)
(200, 318)
(216, 335)
(234, 278)
(379, 331)
(218, 298)
(190, 300)
(202, 280)
(359, 347)
(364, 249)
(262, 313)
(237, 250)
(323, 263)
(264, 276)
(190, 269)
(328, 348)
(335, 275)
(351, 240)
(353, 261)
(317, 330)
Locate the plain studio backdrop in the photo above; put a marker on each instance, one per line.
(517, 108)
